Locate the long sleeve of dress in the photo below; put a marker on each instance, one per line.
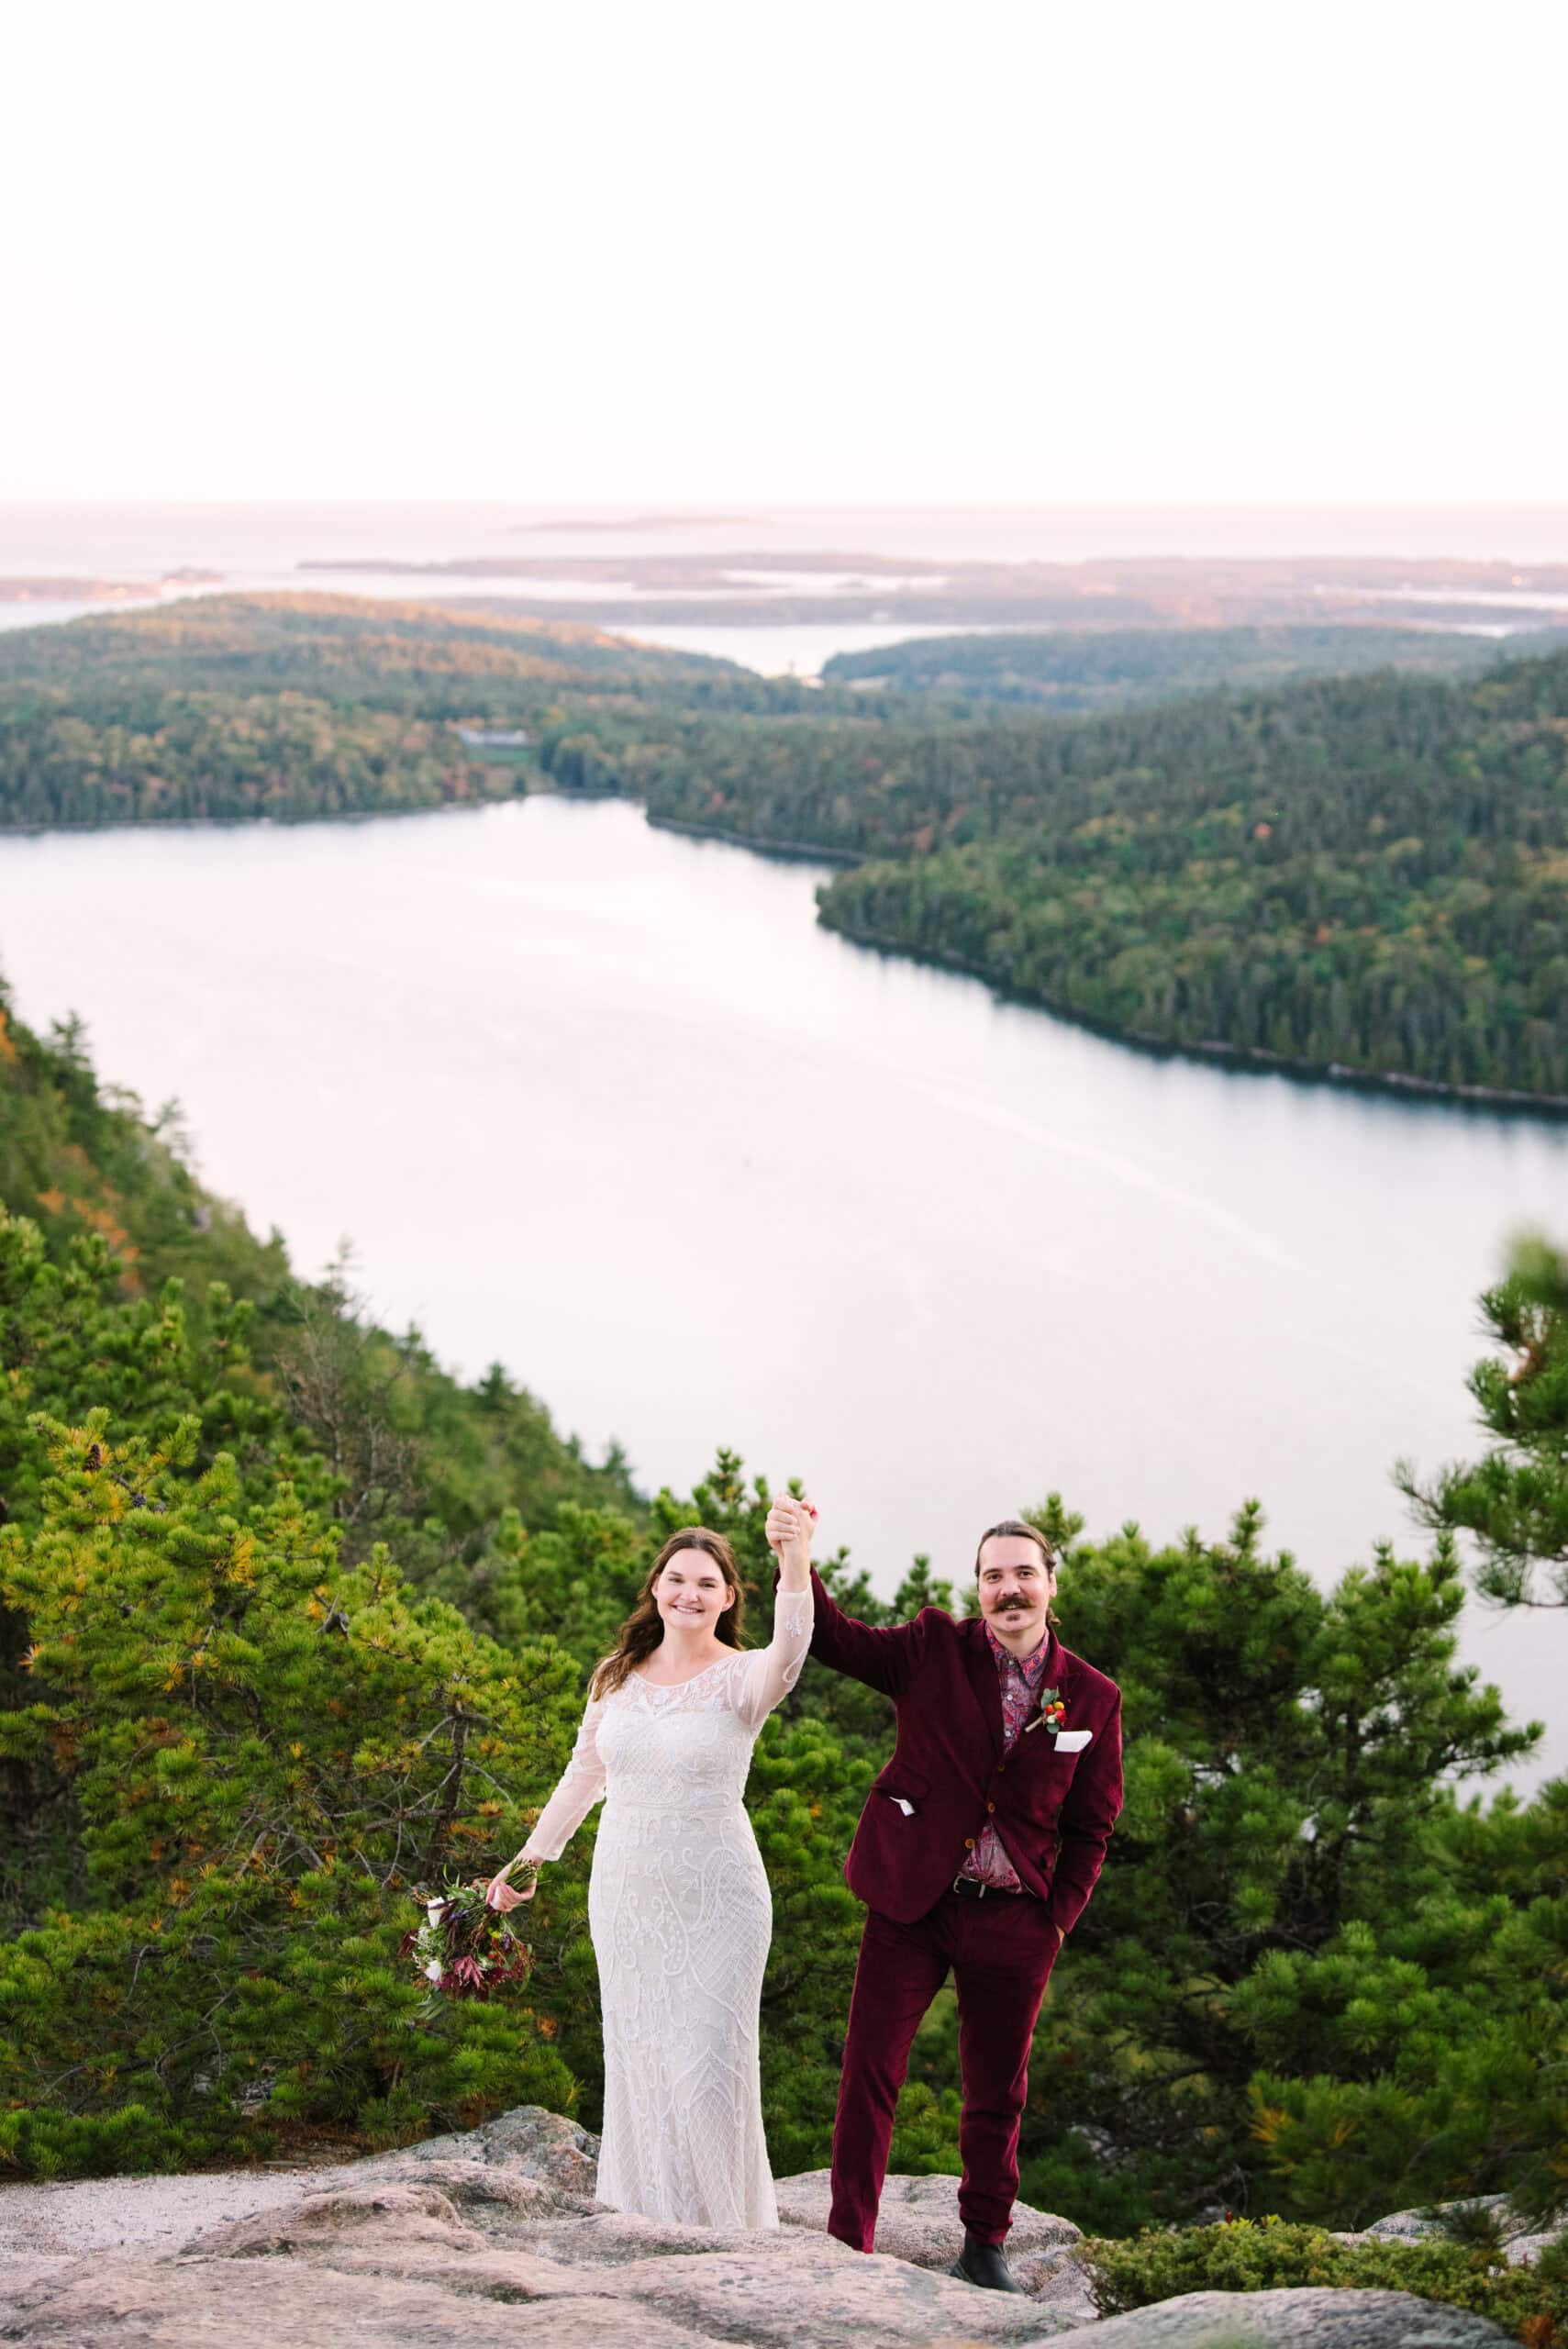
(581, 1785)
(766, 1675)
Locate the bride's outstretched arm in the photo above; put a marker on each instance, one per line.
(768, 1674)
(579, 1788)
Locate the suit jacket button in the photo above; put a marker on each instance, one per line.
(968, 1842)
(990, 1806)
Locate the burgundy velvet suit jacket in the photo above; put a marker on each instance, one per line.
(1054, 1810)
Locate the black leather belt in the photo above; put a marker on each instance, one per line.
(968, 1888)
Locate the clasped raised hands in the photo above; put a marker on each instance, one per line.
(788, 1530)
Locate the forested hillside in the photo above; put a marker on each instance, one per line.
(291, 1624)
(1370, 874)
(416, 657)
(1080, 670)
(289, 707)
(192, 756)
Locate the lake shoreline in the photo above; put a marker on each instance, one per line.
(75, 826)
(1491, 1098)
(1494, 1099)
(785, 851)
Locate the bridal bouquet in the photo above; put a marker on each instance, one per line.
(464, 1949)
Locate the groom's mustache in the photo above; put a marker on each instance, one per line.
(1012, 1607)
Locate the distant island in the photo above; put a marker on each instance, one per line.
(745, 587)
(101, 591)
(607, 522)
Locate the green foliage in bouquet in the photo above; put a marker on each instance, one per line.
(462, 1948)
(1529, 2301)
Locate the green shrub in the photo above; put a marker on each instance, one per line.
(266, 1752)
(1272, 2255)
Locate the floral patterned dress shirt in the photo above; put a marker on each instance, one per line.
(1021, 1684)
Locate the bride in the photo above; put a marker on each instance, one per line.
(678, 1901)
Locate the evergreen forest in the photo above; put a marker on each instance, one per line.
(1362, 873)
(1077, 671)
(293, 1624)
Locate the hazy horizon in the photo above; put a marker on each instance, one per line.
(135, 533)
(697, 256)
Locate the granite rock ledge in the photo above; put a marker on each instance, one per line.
(496, 2228)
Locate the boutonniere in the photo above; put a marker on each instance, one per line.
(1052, 1711)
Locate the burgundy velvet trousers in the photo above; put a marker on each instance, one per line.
(1000, 1952)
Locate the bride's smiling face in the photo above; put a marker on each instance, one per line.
(691, 1592)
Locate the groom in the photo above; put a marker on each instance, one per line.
(976, 1854)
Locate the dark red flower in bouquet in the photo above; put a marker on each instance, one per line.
(464, 1949)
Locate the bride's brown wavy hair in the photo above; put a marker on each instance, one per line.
(644, 1628)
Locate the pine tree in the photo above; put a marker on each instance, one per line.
(1423, 2057)
(1514, 1501)
(266, 1752)
(69, 1331)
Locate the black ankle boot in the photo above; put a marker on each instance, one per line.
(984, 2264)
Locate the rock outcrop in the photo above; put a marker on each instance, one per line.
(1314, 2319)
(919, 2222)
(1521, 2244)
(494, 2235)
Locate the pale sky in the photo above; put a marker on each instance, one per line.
(875, 251)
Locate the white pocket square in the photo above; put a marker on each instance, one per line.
(906, 1807)
(1072, 1741)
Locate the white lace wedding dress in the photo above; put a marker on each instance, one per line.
(681, 1916)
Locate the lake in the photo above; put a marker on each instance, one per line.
(604, 1104)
